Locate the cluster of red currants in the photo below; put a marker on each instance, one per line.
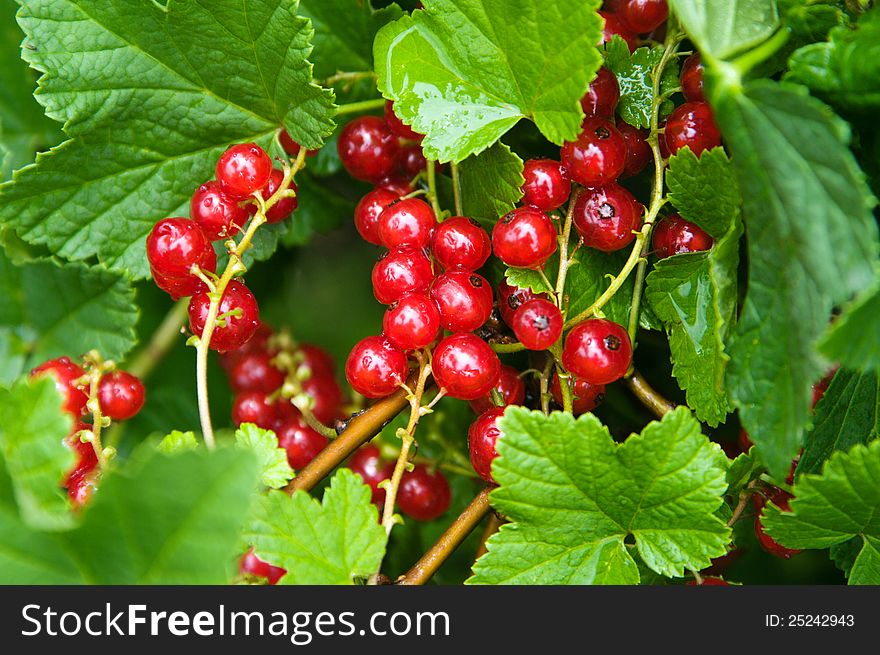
(180, 250)
(120, 397)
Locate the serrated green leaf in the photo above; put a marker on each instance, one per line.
(695, 294)
(463, 72)
(832, 508)
(178, 442)
(742, 471)
(573, 496)
(151, 96)
(854, 338)
(169, 520)
(24, 127)
(848, 414)
(633, 72)
(491, 184)
(845, 69)
(275, 471)
(63, 309)
(589, 275)
(344, 33)
(704, 189)
(32, 431)
(811, 20)
(527, 278)
(722, 28)
(812, 244)
(335, 541)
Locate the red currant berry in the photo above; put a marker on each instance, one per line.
(178, 287)
(525, 237)
(366, 214)
(407, 224)
(400, 272)
(482, 435)
(253, 407)
(175, 245)
(693, 125)
(284, 207)
(238, 327)
(820, 387)
(707, 581)
(86, 458)
(375, 368)
(367, 463)
(781, 499)
(511, 388)
(615, 25)
(301, 442)
(598, 156)
(692, 79)
(537, 324)
(121, 395)
(460, 242)
(396, 185)
(216, 213)
(284, 410)
(638, 151)
(602, 96)
(65, 373)
(597, 350)
(465, 366)
(464, 300)
(607, 218)
(674, 236)
(368, 149)
(260, 341)
(411, 161)
(252, 565)
(546, 185)
(254, 372)
(326, 395)
(423, 495)
(644, 15)
(510, 298)
(291, 147)
(412, 322)
(80, 487)
(585, 396)
(243, 169)
(317, 360)
(397, 126)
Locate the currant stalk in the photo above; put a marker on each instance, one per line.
(235, 267)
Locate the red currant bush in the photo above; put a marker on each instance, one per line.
(598, 351)
(465, 366)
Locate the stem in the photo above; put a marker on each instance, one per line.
(360, 429)
(744, 496)
(432, 187)
(492, 526)
(507, 347)
(346, 76)
(94, 407)
(456, 188)
(545, 377)
(643, 236)
(358, 107)
(564, 261)
(456, 533)
(161, 342)
(659, 405)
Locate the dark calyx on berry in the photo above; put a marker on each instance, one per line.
(598, 156)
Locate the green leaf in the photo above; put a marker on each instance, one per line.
(589, 275)
(491, 184)
(169, 520)
(633, 72)
(573, 496)
(722, 28)
(695, 294)
(527, 278)
(178, 442)
(846, 68)
(275, 471)
(32, 431)
(335, 541)
(854, 338)
(463, 72)
(64, 309)
(704, 189)
(24, 127)
(151, 96)
(743, 470)
(812, 244)
(344, 33)
(811, 20)
(848, 414)
(832, 508)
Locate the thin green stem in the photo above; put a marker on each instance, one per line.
(362, 106)
(564, 260)
(161, 342)
(349, 76)
(432, 187)
(456, 188)
(502, 348)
